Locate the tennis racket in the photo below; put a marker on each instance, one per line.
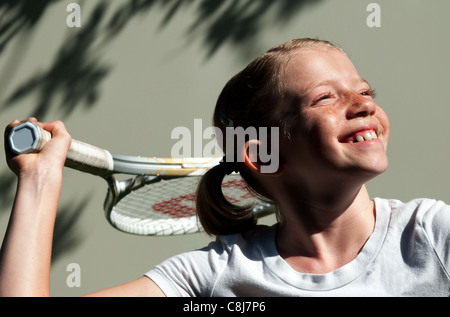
(159, 197)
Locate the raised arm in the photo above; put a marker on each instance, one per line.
(26, 250)
(25, 255)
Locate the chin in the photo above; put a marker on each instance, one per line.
(368, 169)
(380, 165)
(375, 170)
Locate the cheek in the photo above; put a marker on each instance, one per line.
(384, 121)
(318, 134)
(323, 127)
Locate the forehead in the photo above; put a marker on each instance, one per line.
(310, 67)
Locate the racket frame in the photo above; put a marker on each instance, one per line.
(100, 162)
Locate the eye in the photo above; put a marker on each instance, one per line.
(326, 96)
(369, 92)
(322, 98)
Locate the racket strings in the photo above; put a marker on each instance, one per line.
(177, 206)
(168, 206)
(184, 205)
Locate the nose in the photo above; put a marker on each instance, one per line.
(360, 106)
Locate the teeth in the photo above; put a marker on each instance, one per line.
(367, 136)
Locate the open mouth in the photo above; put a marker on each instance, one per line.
(361, 136)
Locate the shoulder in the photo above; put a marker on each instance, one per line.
(419, 210)
(429, 214)
(421, 222)
(246, 243)
(194, 273)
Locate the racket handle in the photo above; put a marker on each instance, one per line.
(29, 137)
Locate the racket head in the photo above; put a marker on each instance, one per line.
(166, 206)
(159, 201)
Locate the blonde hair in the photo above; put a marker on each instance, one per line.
(254, 97)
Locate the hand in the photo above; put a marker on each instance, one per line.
(50, 159)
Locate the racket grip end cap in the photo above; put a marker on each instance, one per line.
(24, 138)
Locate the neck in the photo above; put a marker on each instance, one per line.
(324, 230)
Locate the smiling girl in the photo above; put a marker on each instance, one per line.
(332, 238)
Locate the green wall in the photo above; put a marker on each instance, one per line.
(129, 75)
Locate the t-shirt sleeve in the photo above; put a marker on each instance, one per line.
(192, 273)
(436, 222)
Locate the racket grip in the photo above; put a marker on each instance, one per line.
(29, 137)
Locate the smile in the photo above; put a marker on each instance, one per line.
(361, 136)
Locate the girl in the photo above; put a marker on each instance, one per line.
(331, 239)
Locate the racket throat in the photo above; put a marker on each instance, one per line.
(117, 189)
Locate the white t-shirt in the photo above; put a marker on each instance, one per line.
(408, 254)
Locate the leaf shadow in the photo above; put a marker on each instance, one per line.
(75, 75)
(66, 235)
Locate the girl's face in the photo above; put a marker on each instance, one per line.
(341, 131)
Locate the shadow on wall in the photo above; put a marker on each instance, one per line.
(66, 236)
(74, 77)
(77, 71)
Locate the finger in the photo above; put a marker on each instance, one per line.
(55, 127)
(59, 133)
(30, 119)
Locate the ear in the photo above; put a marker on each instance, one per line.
(250, 154)
(255, 163)
(261, 162)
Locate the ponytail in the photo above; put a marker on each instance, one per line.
(216, 214)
